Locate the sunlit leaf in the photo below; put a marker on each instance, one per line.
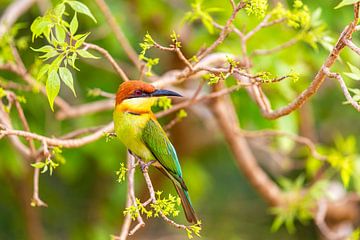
(38, 165)
(59, 10)
(52, 87)
(354, 74)
(67, 78)
(85, 54)
(43, 70)
(81, 8)
(74, 24)
(346, 2)
(60, 33)
(46, 48)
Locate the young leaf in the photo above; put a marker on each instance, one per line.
(81, 8)
(40, 26)
(59, 10)
(60, 33)
(48, 55)
(80, 39)
(43, 70)
(85, 54)
(354, 74)
(345, 2)
(46, 48)
(52, 87)
(38, 165)
(71, 61)
(67, 78)
(74, 25)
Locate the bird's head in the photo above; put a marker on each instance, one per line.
(139, 96)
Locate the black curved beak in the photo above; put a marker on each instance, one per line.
(163, 92)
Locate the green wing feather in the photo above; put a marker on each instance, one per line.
(158, 143)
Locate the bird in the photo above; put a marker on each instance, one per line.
(138, 129)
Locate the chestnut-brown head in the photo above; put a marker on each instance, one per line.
(139, 89)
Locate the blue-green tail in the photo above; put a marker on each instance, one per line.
(186, 203)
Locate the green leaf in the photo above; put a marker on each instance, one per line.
(86, 54)
(59, 10)
(2, 93)
(52, 87)
(346, 2)
(60, 33)
(67, 78)
(40, 26)
(43, 70)
(74, 25)
(48, 55)
(279, 220)
(38, 165)
(81, 8)
(72, 60)
(46, 48)
(354, 74)
(80, 39)
(56, 63)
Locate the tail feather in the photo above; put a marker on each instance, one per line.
(181, 189)
(186, 204)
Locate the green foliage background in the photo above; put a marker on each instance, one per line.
(85, 200)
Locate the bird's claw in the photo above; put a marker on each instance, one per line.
(144, 166)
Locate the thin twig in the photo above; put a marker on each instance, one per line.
(320, 216)
(343, 88)
(299, 139)
(120, 36)
(12, 13)
(68, 143)
(125, 230)
(153, 198)
(107, 55)
(352, 45)
(225, 31)
(317, 81)
(36, 200)
(287, 44)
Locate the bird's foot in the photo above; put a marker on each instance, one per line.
(145, 166)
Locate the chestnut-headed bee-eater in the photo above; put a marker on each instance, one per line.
(136, 126)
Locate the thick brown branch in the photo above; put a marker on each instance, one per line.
(226, 117)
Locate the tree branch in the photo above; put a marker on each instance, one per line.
(12, 13)
(343, 88)
(120, 36)
(69, 143)
(107, 55)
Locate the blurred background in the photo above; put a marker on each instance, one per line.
(85, 200)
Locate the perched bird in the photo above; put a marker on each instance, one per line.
(136, 126)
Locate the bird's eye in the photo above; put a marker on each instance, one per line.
(138, 92)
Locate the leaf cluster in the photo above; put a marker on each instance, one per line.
(64, 48)
(300, 205)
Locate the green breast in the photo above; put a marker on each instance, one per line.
(128, 128)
